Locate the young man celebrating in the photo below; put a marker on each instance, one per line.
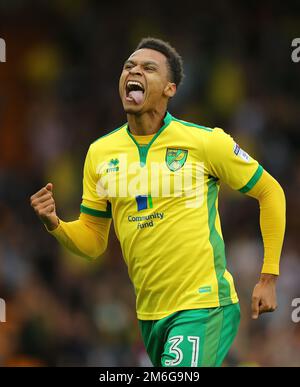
(158, 177)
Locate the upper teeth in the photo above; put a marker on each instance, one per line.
(132, 83)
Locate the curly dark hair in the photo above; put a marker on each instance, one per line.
(174, 60)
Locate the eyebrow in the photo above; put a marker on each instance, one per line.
(145, 63)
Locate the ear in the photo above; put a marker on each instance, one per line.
(170, 90)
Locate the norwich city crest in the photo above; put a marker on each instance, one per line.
(175, 158)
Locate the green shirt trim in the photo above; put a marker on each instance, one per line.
(108, 134)
(217, 244)
(193, 125)
(99, 214)
(143, 149)
(254, 179)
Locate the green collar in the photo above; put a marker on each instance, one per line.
(143, 149)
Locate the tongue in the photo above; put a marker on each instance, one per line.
(137, 96)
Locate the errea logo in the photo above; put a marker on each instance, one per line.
(2, 50)
(113, 165)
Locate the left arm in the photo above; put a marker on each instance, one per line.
(228, 162)
(272, 223)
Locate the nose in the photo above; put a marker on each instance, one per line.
(136, 70)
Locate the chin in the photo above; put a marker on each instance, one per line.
(132, 109)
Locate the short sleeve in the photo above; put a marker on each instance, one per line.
(92, 201)
(231, 164)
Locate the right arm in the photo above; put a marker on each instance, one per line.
(86, 237)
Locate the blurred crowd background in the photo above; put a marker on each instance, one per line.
(59, 92)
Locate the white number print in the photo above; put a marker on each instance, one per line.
(195, 340)
(174, 349)
(175, 341)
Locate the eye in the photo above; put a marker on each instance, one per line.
(149, 68)
(128, 66)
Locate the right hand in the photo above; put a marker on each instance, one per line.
(44, 206)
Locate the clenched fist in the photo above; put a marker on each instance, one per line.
(44, 206)
(264, 295)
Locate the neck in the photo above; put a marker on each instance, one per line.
(146, 123)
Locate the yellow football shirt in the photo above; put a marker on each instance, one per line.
(163, 198)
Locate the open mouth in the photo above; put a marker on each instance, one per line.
(135, 92)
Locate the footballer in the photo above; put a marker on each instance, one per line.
(158, 178)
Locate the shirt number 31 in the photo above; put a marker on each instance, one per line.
(177, 352)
